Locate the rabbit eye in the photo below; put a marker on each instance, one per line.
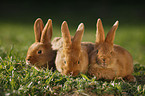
(97, 51)
(78, 62)
(64, 62)
(40, 51)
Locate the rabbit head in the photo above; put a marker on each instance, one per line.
(40, 53)
(72, 59)
(103, 51)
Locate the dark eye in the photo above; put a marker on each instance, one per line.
(64, 62)
(78, 62)
(97, 51)
(40, 51)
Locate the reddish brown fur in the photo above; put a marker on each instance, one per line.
(109, 61)
(72, 58)
(42, 43)
(46, 59)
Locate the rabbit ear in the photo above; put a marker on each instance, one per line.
(38, 27)
(47, 32)
(65, 35)
(111, 34)
(78, 35)
(100, 36)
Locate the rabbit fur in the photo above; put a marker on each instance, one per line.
(40, 54)
(72, 56)
(107, 60)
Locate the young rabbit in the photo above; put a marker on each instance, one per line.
(72, 58)
(107, 60)
(41, 53)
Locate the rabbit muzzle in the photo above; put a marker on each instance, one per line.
(102, 62)
(28, 60)
(71, 73)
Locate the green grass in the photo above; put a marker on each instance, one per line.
(17, 78)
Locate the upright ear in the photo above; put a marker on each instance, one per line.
(100, 36)
(111, 34)
(78, 35)
(65, 35)
(47, 32)
(38, 27)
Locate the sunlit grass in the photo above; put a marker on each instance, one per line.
(17, 78)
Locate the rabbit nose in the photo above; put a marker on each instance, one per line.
(28, 60)
(74, 73)
(71, 73)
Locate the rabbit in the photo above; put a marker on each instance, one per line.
(107, 60)
(57, 43)
(72, 57)
(40, 54)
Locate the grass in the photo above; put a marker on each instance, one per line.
(17, 78)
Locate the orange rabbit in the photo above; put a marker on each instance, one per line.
(107, 60)
(41, 53)
(72, 57)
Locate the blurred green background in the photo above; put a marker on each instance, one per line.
(17, 19)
